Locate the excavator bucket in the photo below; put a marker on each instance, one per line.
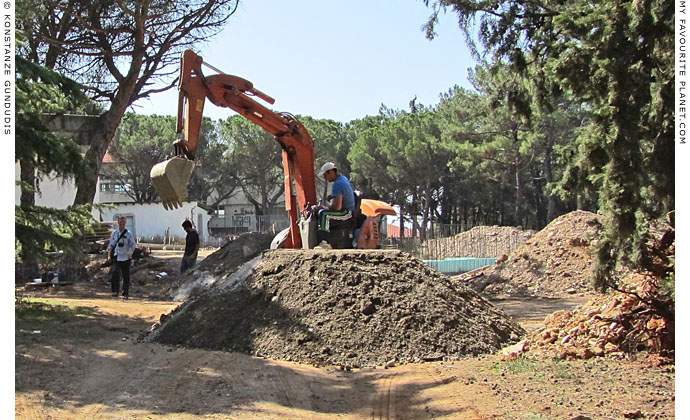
(170, 178)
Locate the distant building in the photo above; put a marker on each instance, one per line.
(150, 221)
(394, 231)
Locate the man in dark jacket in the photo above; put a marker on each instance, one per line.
(191, 248)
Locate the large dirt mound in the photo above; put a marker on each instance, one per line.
(347, 307)
(557, 261)
(218, 265)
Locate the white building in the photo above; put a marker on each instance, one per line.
(151, 222)
(148, 222)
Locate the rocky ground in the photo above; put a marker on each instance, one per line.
(612, 325)
(558, 262)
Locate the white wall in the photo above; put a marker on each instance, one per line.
(153, 220)
(55, 193)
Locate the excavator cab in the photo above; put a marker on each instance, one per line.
(361, 232)
(170, 178)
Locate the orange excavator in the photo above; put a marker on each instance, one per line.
(170, 177)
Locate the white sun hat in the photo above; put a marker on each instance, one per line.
(326, 167)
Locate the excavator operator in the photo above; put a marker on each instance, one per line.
(342, 201)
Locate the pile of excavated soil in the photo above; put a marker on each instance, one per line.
(637, 317)
(218, 265)
(555, 262)
(479, 242)
(346, 307)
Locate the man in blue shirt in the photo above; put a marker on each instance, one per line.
(123, 243)
(343, 200)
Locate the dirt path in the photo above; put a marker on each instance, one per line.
(93, 366)
(530, 312)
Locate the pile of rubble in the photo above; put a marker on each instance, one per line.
(555, 262)
(346, 307)
(218, 265)
(609, 325)
(638, 316)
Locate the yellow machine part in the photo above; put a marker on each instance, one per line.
(170, 178)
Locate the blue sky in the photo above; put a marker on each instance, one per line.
(335, 60)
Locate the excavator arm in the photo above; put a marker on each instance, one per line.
(170, 178)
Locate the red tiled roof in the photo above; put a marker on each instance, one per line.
(108, 158)
(393, 231)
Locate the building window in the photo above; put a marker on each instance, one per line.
(119, 188)
(111, 187)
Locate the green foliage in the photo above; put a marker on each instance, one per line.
(37, 228)
(42, 91)
(617, 57)
(519, 365)
(368, 161)
(331, 144)
(505, 160)
(215, 176)
(119, 51)
(257, 159)
(668, 283)
(533, 416)
(399, 157)
(140, 142)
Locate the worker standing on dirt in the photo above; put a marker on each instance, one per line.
(191, 248)
(121, 248)
(342, 204)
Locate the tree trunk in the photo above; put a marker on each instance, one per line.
(27, 175)
(548, 175)
(425, 212)
(100, 137)
(29, 268)
(101, 134)
(518, 195)
(402, 224)
(518, 182)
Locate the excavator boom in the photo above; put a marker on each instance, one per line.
(170, 178)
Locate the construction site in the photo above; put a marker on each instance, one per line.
(256, 333)
(506, 253)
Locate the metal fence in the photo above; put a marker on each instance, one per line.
(238, 224)
(272, 222)
(454, 241)
(443, 240)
